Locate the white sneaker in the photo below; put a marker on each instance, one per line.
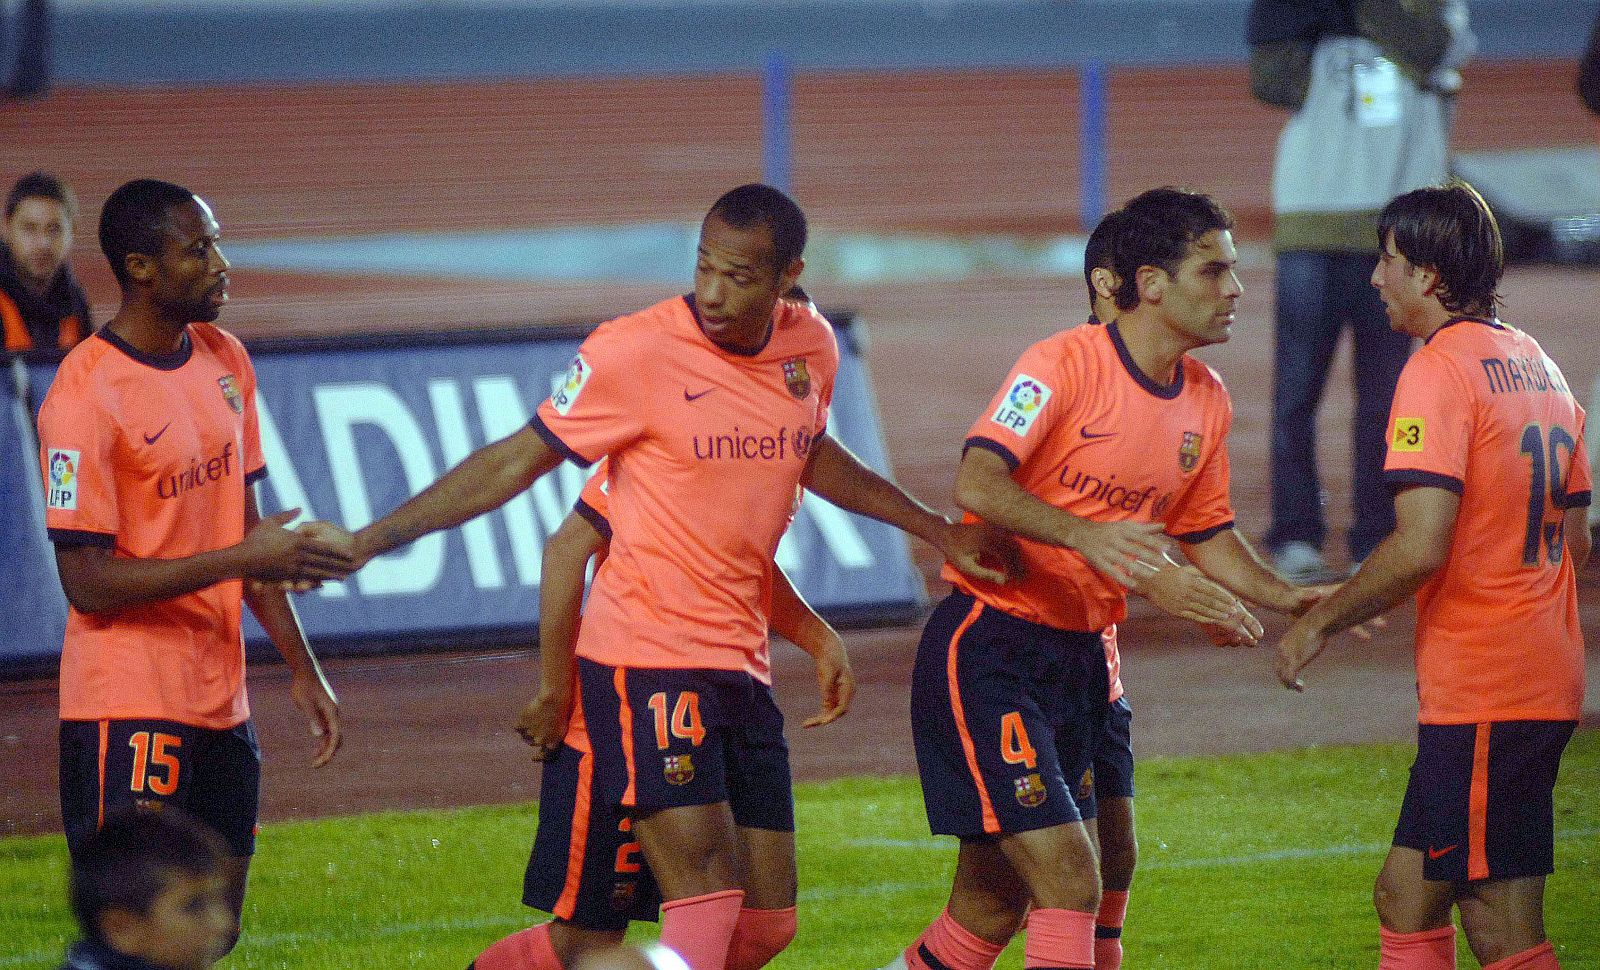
(1301, 562)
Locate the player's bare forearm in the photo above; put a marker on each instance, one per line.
(795, 620)
(308, 687)
(985, 488)
(95, 581)
(836, 474)
(566, 561)
(485, 480)
(1398, 567)
(1230, 560)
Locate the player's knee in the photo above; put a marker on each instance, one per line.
(759, 936)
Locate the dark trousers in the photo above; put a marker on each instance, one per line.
(1317, 295)
(31, 39)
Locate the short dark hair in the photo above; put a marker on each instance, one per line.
(1157, 230)
(1097, 250)
(754, 205)
(136, 219)
(127, 864)
(42, 185)
(1450, 229)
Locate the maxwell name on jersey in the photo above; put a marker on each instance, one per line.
(1511, 375)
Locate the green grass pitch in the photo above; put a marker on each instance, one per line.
(1244, 861)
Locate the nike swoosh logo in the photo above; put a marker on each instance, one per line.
(1091, 436)
(695, 397)
(152, 439)
(1439, 853)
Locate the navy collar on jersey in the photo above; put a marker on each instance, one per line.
(171, 361)
(1455, 320)
(695, 312)
(1164, 391)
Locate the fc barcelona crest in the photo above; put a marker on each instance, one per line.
(1085, 785)
(678, 768)
(230, 391)
(1189, 451)
(1030, 790)
(797, 377)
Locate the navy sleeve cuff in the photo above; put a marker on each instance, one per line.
(77, 537)
(1578, 500)
(989, 444)
(556, 444)
(1403, 478)
(252, 477)
(1195, 538)
(592, 515)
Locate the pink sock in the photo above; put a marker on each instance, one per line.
(760, 935)
(528, 949)
(946, 943)
(1428, 950)
(1108, 929)
(1541, 957)
(1059, 939)
(700, 928)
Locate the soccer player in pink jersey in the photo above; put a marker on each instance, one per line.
(712, 408)
(585, 868)
(1492, 481)
(150, 449)
(1103, 442)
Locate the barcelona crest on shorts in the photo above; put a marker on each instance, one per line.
(1031, 792)
(1189, 451)
(622, 896)
(678, 768)
(230, 391)
(797, 377)
(1085, 785)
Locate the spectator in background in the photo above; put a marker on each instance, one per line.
(41, 303)
(150, 892)
(1372, 84)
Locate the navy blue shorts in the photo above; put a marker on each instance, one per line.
(1112, 773)
(586, 865)
(1006, 716)
(670, 738)
(214, 775)
(1480, 803)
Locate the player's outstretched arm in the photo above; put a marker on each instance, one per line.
(485, 480)
(95, 581)
(1402, 563)
(795, 620)
(543, 721)
(307, 686)
(1230, 560)
(985, 488)
(836, 474)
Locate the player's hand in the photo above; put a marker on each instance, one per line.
(318, 529)
(1187, 593)
(314, 698)
(979, 550)
(273, 553)
(1299, 646)
(543, 723)
(1113, 548)
(836, 681)
(1243, 630)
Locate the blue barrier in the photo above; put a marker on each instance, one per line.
(33, 612)
(350, 432)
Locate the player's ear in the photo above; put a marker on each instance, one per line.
(139, 267)
(791, 274)
(1152, 282)
(1104, 282)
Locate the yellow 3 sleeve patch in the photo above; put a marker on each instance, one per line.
(1408, 434)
